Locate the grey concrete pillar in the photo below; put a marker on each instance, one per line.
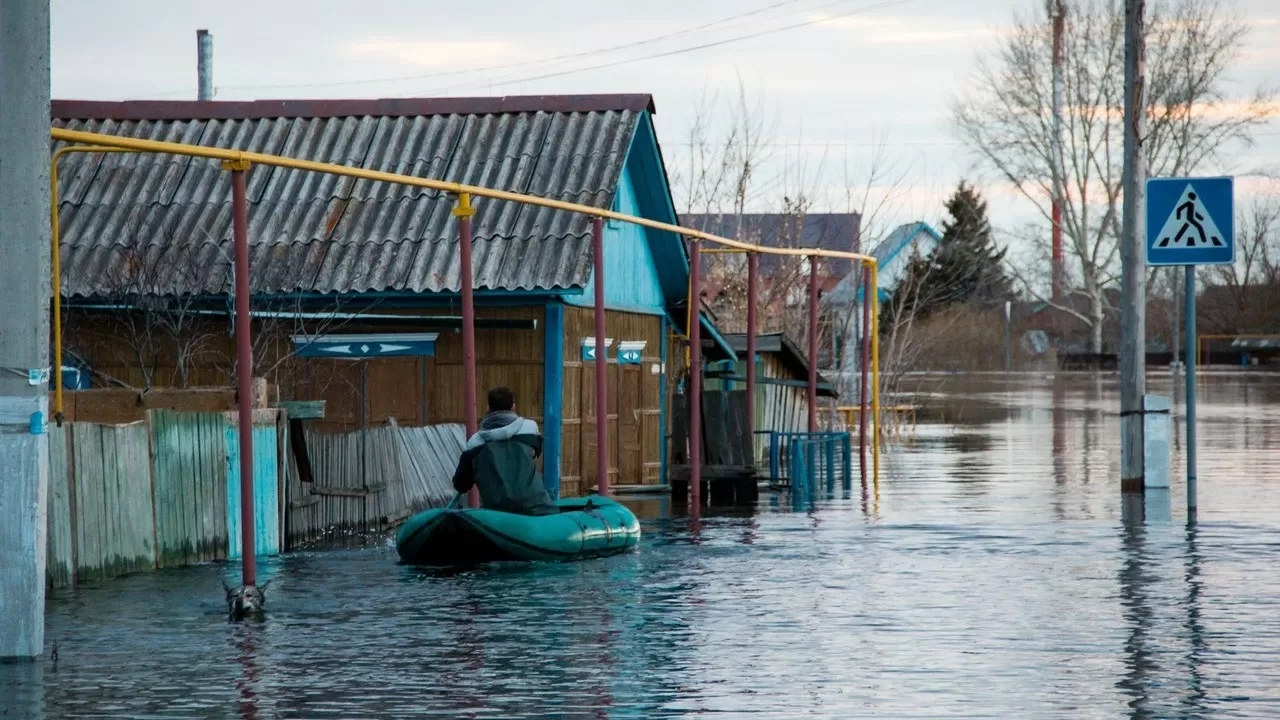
(24, 322)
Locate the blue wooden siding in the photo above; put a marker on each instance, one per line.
(630, 275)
(266, 491)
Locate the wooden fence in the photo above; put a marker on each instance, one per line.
(370, 481)
(165, 492)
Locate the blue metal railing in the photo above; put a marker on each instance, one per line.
(836, 447)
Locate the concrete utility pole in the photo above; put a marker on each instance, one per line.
(24, 322)
(204, 65)
(1133, 326)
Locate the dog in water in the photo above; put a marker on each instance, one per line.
(246, 601)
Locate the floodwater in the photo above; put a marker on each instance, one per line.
(992, 572)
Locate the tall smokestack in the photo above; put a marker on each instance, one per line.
(204, 64)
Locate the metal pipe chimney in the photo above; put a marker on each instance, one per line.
(204, 64)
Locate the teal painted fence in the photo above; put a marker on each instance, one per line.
(154, 494)
(266, 486)
(190, 476)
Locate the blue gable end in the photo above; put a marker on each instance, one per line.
(630, 276)
(645, 270)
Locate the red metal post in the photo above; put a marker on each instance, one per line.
(813, 344)
(1059, 22)
(602, 363)
(244, 372)
(864, 364)
(753, 272)
(463, 212)
(695, 374)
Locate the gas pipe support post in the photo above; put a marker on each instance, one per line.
(602, 361)
(695, 374)
(753, 274)
(244, 367)
(464, 212)
(813, 344)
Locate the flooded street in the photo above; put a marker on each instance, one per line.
(992, 572)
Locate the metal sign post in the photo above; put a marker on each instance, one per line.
(1190, 222)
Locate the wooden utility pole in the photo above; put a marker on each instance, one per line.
(1133, 345)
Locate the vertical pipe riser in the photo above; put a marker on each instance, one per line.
(602, 364)
(753, 274)
(244, 375)
(864, 367)
(464, 212)
(813, 344)
(695, 375)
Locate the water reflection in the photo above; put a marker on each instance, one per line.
(998, 572)
(1140, 663)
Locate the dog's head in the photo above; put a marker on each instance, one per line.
(246, 601)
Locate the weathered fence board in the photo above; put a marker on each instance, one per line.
(266, 491)
(368, 482)
(190, 471)
(61, 551)
(114, 529)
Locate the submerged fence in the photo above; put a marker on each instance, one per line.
(165, 491)
(370, 481)
(811, 463)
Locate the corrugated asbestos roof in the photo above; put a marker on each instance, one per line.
(162, 223)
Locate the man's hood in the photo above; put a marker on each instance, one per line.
(501, 426)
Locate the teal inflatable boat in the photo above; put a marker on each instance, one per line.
(586, 527)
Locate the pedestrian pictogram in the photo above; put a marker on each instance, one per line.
(1190, 221)
(1190, 226)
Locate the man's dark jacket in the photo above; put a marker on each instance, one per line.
(500, 460)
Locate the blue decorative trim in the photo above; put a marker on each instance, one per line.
(366, 345)
(552, 396)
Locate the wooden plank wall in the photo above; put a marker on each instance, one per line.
(100, 521)
(152, 494)
(60, 558)
(267, 474)
(634, 404)
(406, 470)
(191, 467)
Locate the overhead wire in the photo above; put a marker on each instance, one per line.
(682, 51)
(523, 63)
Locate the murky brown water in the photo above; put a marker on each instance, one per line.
(992, 572)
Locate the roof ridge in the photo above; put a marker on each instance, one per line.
(383, 107)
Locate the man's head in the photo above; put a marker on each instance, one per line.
(501, 398)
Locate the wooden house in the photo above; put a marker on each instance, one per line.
(355, 283)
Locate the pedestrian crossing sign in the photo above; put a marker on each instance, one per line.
(1190, 221)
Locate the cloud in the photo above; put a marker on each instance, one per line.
(436, 53)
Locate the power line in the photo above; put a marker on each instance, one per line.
(523, 63)
(681, 51)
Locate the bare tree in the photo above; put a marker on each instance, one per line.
(146, 318)
(1007, 119)
(1252, 283)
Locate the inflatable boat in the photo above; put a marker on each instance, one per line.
(586, 527)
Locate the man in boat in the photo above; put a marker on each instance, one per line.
(500, 461)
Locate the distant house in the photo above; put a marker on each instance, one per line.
(828, 231)
(892, 255)
(365, 274)
(782, 383)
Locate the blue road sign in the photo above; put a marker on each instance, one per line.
(1190, 221)
(589, 352)
(629, 356)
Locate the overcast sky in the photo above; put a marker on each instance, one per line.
(858, 75)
